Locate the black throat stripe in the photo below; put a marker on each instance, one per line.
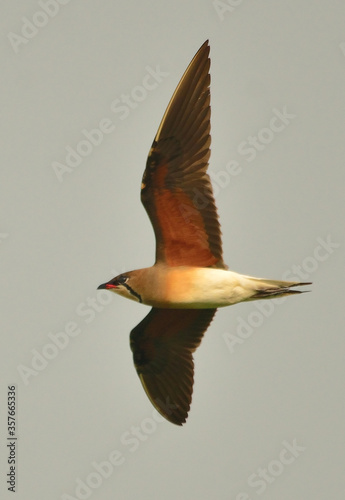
(133, 292)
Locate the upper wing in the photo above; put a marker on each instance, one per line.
(162, 345)
(176, 190)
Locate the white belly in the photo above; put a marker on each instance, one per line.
(206, 288)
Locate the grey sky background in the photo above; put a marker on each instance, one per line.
(267, 417)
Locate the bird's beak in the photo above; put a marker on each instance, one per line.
(106, 286)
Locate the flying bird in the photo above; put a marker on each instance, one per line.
(189, 279)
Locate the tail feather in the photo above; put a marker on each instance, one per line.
(266, 289)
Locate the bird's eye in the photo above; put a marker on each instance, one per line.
(122, 279)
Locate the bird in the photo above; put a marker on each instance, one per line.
(189, 280)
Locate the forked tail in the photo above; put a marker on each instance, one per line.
(270, 289)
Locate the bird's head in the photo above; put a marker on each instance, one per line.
(123, 284)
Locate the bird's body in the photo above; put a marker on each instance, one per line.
(189, 279)
(187, 287)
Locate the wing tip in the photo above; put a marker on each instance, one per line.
(172, 412)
